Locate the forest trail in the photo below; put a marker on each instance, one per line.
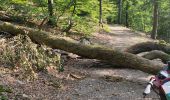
(119, 37)
(104, 83)
(87, 79)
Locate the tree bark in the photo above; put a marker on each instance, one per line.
(119, 11)
(157, 54)
(127, 13)
(119, 58)
(155, 20)
(148, 46)
(50, 10)
(100, 13)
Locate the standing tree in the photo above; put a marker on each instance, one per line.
(127, 14)
(155, 20)
(100, 13)
(119, 11)
(50, 11)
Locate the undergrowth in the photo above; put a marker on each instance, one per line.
(22, 54)
(104, 29)
(4, 90)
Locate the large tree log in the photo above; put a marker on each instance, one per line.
(157, 54)
(149, 46)
(94, 52)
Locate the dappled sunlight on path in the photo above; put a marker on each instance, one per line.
(119, 37)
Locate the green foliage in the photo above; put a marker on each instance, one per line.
(106, 28)
(139, 14)
(84, 25)
(85, 17)
(4, 89)
(61, 66)
(162, 42)
(164, 20)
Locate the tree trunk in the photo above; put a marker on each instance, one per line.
(155, 20)
(157, 54)
(127, 13)
(119, 58)
(100, 13)
(148, 46)
(50, 10)
(119, 11)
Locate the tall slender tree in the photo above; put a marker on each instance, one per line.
(127, 13)
(155, 20)
(100, 13)
(119, 11)
(50, 10)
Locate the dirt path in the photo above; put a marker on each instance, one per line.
(119, 37)
(102, 83)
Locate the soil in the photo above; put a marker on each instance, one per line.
(85, 79)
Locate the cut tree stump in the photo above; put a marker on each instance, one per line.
(115, 57)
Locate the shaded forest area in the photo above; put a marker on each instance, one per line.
(40, 37)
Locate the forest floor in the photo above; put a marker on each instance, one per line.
(86, 79)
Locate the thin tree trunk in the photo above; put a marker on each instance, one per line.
(100, 13)
(127, 13)
(50, 10)
(155, 20)
(119, 11)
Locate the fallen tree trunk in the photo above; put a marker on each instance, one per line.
(157, 54)
(94, 52)
(16, 19)
(148, 46)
